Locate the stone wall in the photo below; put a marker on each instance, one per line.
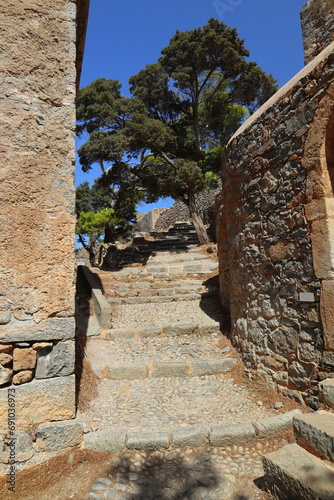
(317, 18)
(146, 222)
(179, 211)
(38, 81)
(276, 233)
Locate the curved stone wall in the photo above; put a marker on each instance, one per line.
(276, 234)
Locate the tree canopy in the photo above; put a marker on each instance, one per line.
(168, 137)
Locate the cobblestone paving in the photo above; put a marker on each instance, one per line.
(174, 403)
(137, 315)
(193, 474)
(181, 348)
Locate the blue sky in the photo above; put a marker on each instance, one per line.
(124, 36)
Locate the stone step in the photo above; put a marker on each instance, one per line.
(154, 299)
(170, 330)
(181, 356)
(157, 369)
(160, 284)
(315, 433)
(163, 257)
(204, 434)
(148, 289)
(298, 475)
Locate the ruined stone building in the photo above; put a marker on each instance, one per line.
(41, 49)
(276, 224)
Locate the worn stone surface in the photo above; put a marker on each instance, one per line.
(147, 441)
(59, 435)
(50, 329)
(19, 446)
(37, 125)
(105, 441)
(326, 390)
(170, 369)
(208, 367)
(22, 377)
(5, 375)
(126, 371)
(232, 434)
(315, 432)
(41, 401)
(191, 437)
(298, 474)
(327, 312)
(57, 361)
(5, 359)
(24, 359)
(273, 425)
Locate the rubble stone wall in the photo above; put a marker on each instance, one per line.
(179, 212)
(37, 218)
(146, 222)
(276, 233)
(317, 18)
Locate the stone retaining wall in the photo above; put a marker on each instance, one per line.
(179, 211)
(276, 233)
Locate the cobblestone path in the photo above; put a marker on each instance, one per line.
(167, 404)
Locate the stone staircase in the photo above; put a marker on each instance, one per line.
(305, 469)
(165, 386)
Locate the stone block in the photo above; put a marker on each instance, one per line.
(22, 377)
(315, 432)
(298, 474)
(326, 391)
(232, 434)
(212, 366)
(18, 447)
(147, 441)
(274, 425)
(50, 329)
(181, 329)
(193, 268)
(6, 348)
(170, 369)
(189, 438)
(322, 236)
(57, 361)
(327, 312)
(319, 209)
(150, 331)
(5, 359)
(5, 375)
(59, 435)
(127, 371)
(283, 340)
(5, 317)
(105, 441)
(120, 333)
(24, 359)
(41, 401)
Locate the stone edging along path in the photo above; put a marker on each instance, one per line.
(192, 437)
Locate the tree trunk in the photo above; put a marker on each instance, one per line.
(109, 234)
(196, 220)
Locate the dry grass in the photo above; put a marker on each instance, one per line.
(66, 476)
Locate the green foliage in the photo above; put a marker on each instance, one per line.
(93, 224)
(168, 138)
